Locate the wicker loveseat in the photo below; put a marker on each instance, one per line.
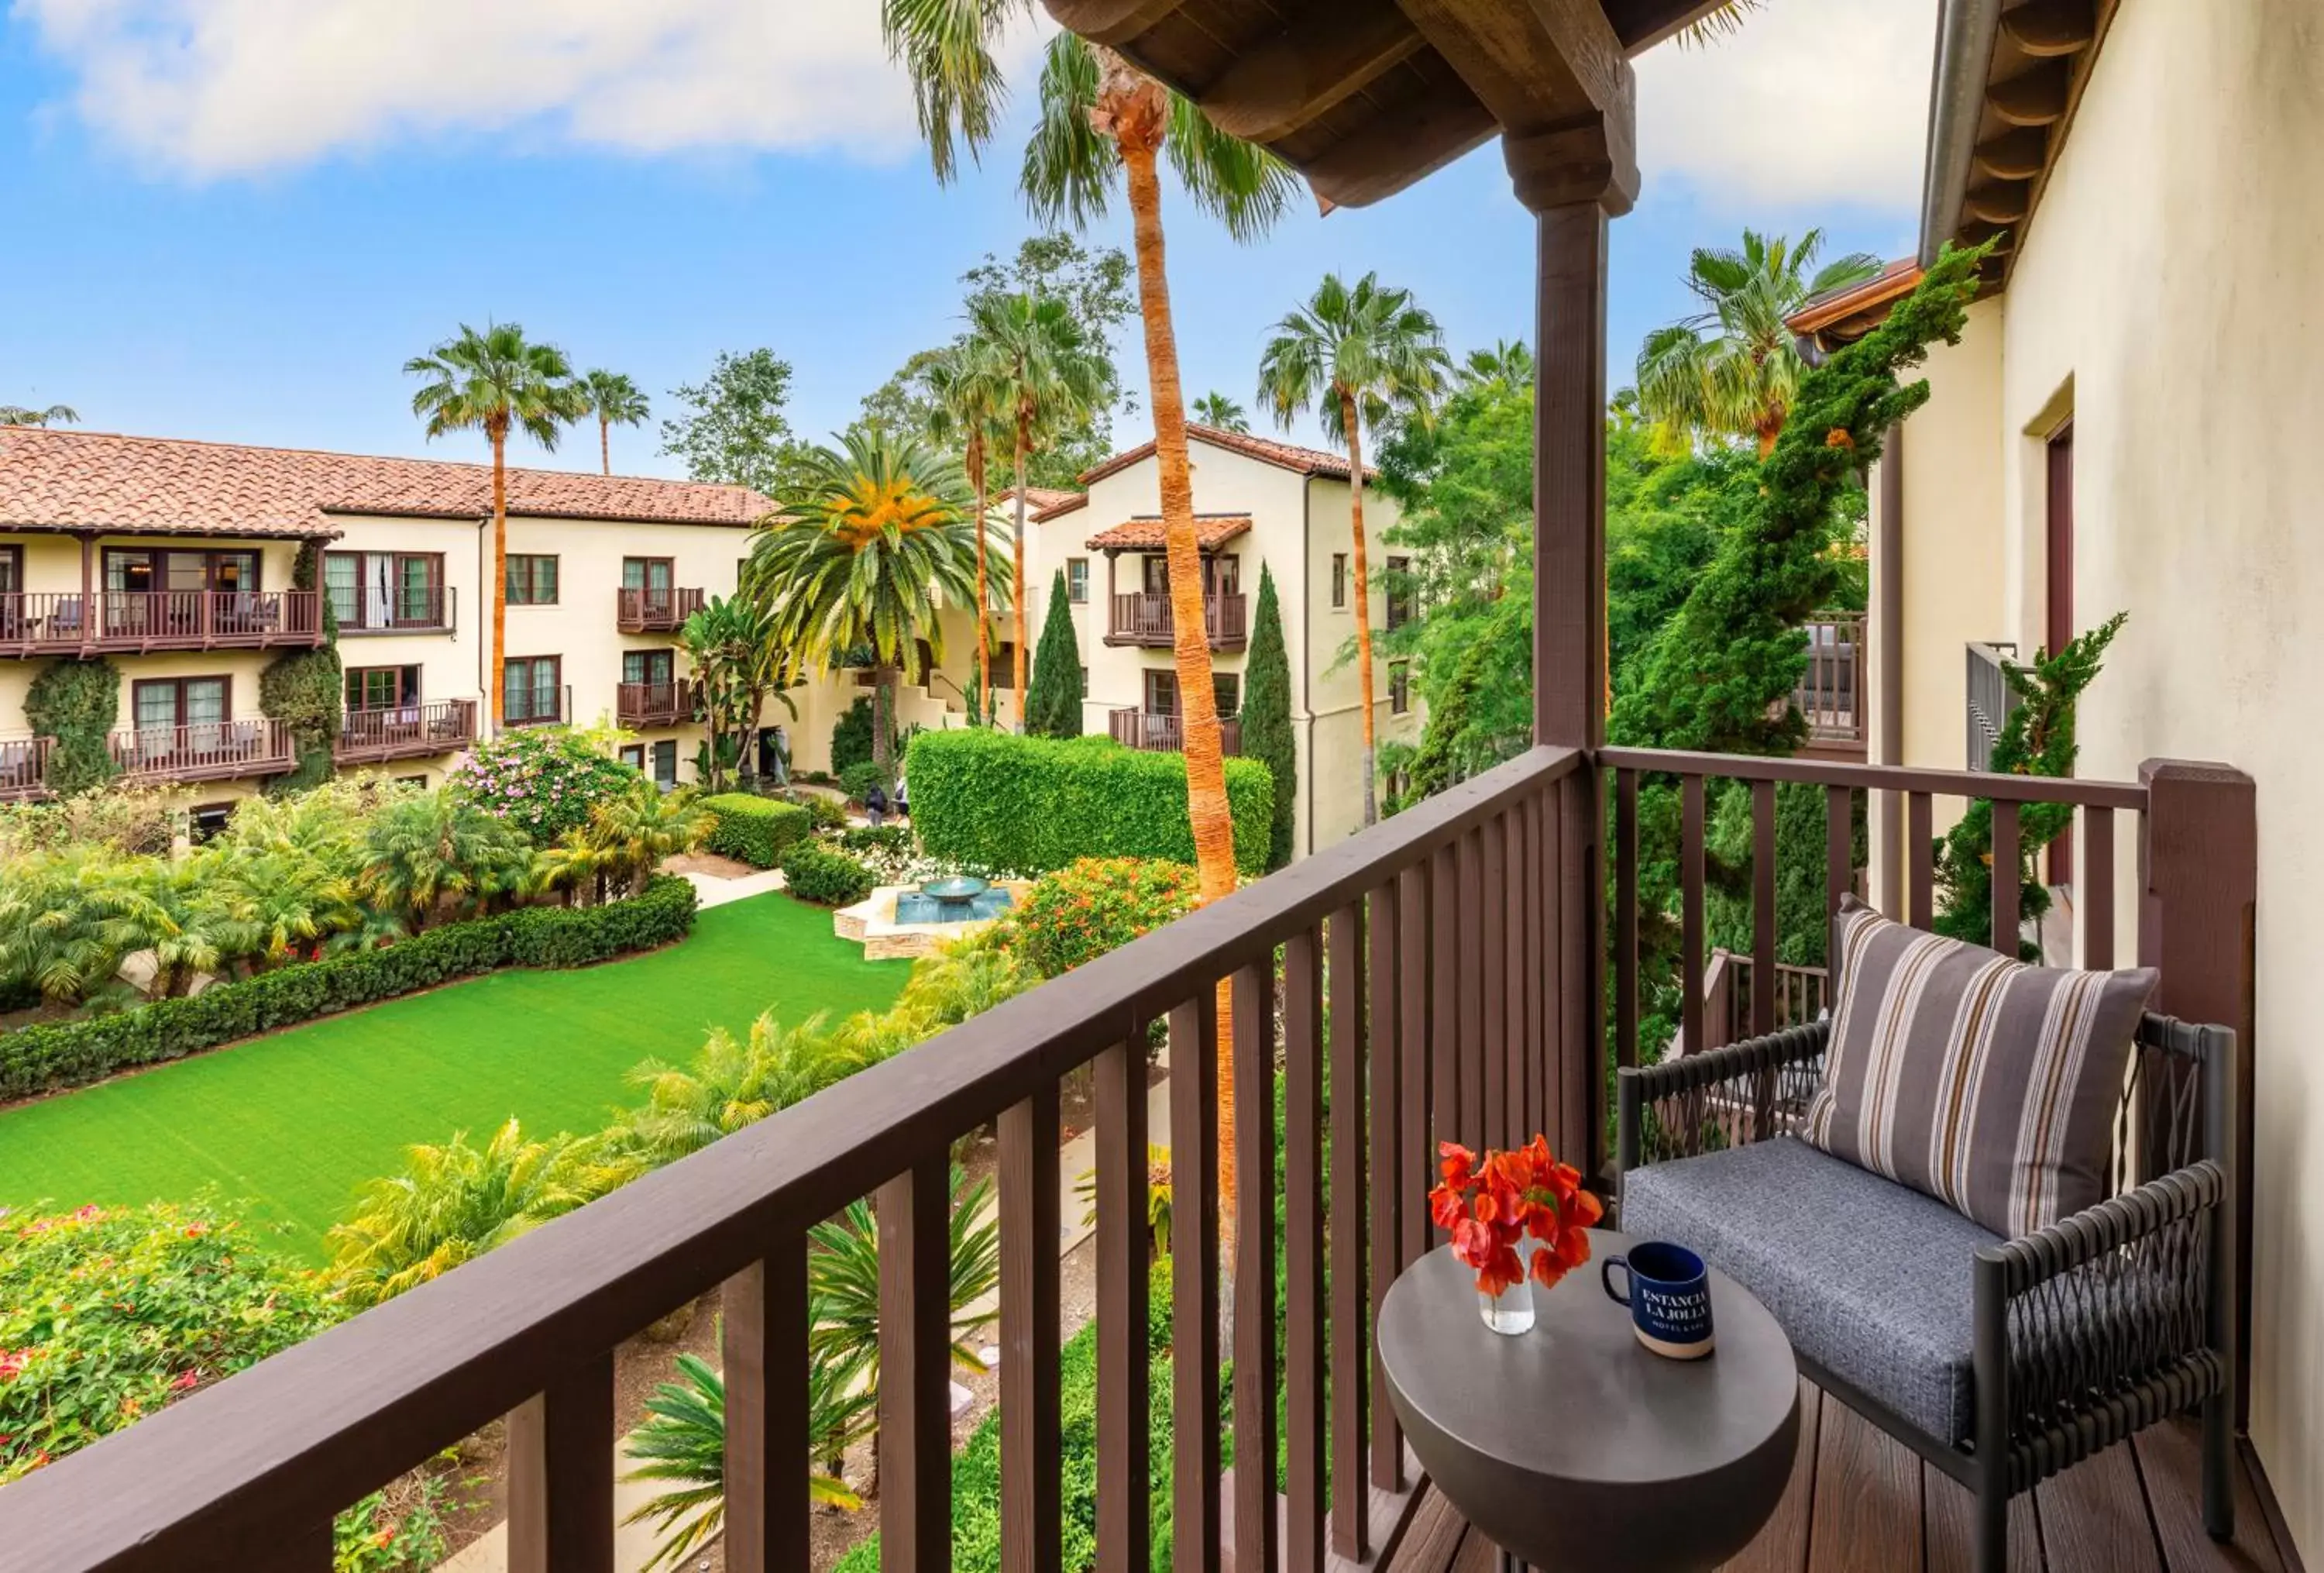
(2001, 1361)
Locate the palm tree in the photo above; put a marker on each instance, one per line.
(1050, 373)
(730, 1085)
(626, 838)
(614, 401)
(496, 381)
(435, 852)
(860, 553)
(1360, 357)
(19, 415)
(842, 1275)
(1102, 121)
(1731, 370)
(970, 411)
(1507, 366)
(1215, 409)
(684, 1441)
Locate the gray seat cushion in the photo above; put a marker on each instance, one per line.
(1871, 1280)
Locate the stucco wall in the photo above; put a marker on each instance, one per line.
(2167, 298)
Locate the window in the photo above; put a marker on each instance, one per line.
(1226, 690)
(532, 689)
(12, 570)
(206, 820)
(1339, 581)
(646, 666)
(169, 702)
(634, 754)
(665, 763)
(646, 583)
(1085, 683)
(385, 590)
(419, 781)
(1004, 664)
(1161, 693)
(1399, 593)
(531, 580)
(1077, 579)
(137, 568)
(1399, 687)
(383, 687)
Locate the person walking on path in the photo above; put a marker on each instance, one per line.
(875, 804)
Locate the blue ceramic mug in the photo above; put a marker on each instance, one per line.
(1668, 1291)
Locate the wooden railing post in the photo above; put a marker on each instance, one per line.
(763, 1341)
(560, 1476)
(2198, 884)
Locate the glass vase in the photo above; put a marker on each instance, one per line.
(1511, 1310)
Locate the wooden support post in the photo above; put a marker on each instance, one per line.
(2198, 889)
(560, 1475)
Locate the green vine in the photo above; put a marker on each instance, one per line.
(76, 702)
(304, 689)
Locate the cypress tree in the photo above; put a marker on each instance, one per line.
(1267, 717)
(1053, 706)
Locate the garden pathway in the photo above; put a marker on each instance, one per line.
(710, 890)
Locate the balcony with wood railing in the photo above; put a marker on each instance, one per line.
(203, 751)
(24, 769)
(1830, 696)
(44, 623)
(1991, 698)
(653, 703)
(389, 732)
(1143, 618)
(1166, 731)
(403, 609)
(658, 610)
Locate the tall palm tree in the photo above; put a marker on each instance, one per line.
(1101, 124)
(1731, 370)
(1507, 366)
(1052, 374)
(494, 382)
(614, 401)
(860, 553)
(971, 414)
(55, 414)
(1360, 357)
(1215, 409)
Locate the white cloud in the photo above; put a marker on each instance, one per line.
(1814, 101)
(213, 88)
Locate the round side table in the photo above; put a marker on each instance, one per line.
(1571, 1446)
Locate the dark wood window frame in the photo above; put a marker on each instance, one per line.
(645, 574)
(12, 570)
(1077, 580)
(159, 557)
(665, 660)
(556, 688)
(224, 680)
(1226, 694)
(525, 574)
(368, 620)
(356, 684)
(1339, 581)
(634, 754)
(657, 752)
(1400, 601)
(1399, 687)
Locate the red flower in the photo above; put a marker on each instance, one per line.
(1512, 1195)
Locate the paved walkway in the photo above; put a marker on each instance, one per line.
(710, 891)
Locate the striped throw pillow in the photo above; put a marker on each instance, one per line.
(1972, 1078)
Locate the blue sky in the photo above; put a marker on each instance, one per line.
(222, 224)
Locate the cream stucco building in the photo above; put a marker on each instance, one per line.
(2128, 425)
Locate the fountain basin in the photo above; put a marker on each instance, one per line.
(902, 921)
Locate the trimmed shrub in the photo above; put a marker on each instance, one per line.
(851, 737)
(892, 840)
(858, 780)
(826, 813)
(1099, 904)
(1032, 804)
(47, 1056)
(814, 872)
(752, 829)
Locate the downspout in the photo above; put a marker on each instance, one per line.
(483, 645)
(1307, 650)
(1965, 33)
(1888, 641)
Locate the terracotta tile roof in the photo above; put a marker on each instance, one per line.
(1039, 499)
(1071, 502)
(1306, 461)
(1144, 533)
(1852, 310)
(87, 480)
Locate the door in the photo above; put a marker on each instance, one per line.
(2058, 619)
(646, 666)
(650, 577)
(665, 764)
(1161, 720)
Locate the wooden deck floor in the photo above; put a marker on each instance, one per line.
(1862, 1502)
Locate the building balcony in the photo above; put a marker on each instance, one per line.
(204, 751)
(1162, 730)
(24, 768)
(405, 731)
(655, 611)
(668, 704)
(1831, 694)
(433, 610)
(1143, 618)
(46, 622)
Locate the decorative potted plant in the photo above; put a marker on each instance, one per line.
(1519, 1218)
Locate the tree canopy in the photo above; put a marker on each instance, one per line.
(731, 428)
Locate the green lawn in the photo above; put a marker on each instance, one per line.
(294, 1123)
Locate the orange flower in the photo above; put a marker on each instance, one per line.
(1456, 1163)
(1511, 1196)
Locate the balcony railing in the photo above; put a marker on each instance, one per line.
(655, 611)
(1163, 730)
(1991, 699)
(1433, 977)
(1802, 996)
(370, 736)
(667, 704)
(204, 751)
(40, 622)
(1831, 693)
(24, 768)
(432, 610)
(1144, 618)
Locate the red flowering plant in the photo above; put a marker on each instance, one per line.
(1512, 1196)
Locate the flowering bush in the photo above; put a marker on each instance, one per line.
(1099, 904)
(1512, 1196)
(544, 780)
(108, 1313)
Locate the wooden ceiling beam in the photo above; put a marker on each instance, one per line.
(1279, 85)
(2048, 28)
(2035, 98)
(1394, 150)
(1641, 24)
(2014, 155)
(1109, 21)
(1999, 201)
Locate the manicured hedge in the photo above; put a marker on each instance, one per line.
(45, 1057)
(754, 831)
(1032, 804)
(815, 873)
